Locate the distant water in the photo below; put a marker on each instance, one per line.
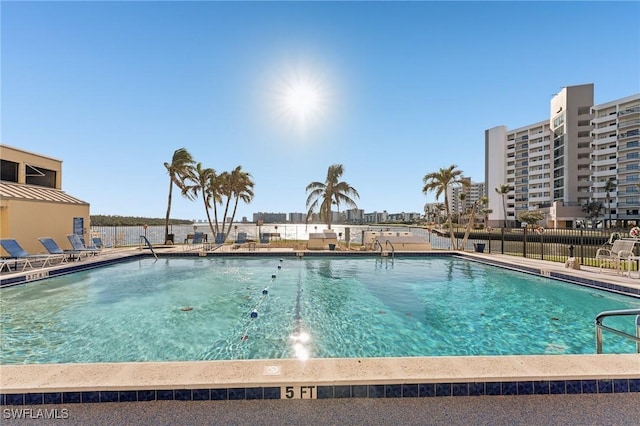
(130, 235)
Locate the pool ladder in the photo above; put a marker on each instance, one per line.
(382, 252)
(143, 238)
(623, 312)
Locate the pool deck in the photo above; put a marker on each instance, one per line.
(588, 381)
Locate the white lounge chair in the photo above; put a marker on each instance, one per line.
(617, 256)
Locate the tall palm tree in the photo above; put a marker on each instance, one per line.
(179, 169)
(439, 182)
(503, 190)
(201, 179)
(610, 186)
(241, 188)
(323, 195)
(478, 204)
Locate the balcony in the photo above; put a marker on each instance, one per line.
(629, 111)
(604, 141)
(629, 134)
(601, 130)
(603, 173)
(605, 162)
(628, 123)
(598, 153)
(603, 119)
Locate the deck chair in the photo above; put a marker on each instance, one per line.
(240, 240)
(221, 237)
(99, 244)
(54, 249)
(618, 255)
(197, 242)
(78, 245)
(18, 254)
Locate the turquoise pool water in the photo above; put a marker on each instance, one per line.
(201, 309)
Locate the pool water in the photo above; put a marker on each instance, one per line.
(181, 309)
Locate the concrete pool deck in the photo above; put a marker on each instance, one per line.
(342, 382)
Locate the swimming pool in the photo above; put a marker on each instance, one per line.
(201, 309)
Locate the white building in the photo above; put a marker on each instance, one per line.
(560, 164)
(616, 158)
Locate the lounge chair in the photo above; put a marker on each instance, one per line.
(241, 239)
(199, 241)
(99, 244)
(18, 254)
(54, 249)
(619, 253)
(78, 245)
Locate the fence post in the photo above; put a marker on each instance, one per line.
(541, 246)
(524, 242)
(582, 246)
(502, 241)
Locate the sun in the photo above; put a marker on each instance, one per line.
(300, 99)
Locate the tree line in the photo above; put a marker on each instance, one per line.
(109, 220)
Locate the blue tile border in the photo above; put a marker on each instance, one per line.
(388, 391)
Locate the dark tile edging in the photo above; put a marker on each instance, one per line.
(405, 390)
(585, 282)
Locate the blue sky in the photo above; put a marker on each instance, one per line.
(400, 89)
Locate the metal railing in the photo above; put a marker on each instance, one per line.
(624, 312)
(393, 249)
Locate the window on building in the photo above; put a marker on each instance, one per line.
(9, 171)
(35, 175)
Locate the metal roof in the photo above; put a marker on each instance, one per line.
(17, 191)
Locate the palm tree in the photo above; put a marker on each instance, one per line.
(240, 188)
(440, 182)
(179, 169)
(201, 179)
(610, 186)
(332, 191)
(479, 203)
(503, 190)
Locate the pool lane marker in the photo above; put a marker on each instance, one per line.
(254, 312)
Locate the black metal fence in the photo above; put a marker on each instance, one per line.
(555, 245)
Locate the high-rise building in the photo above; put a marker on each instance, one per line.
(615, 167)
(561, 164)
(472, 193)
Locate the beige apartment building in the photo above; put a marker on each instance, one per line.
(32, 203)
(560, 164)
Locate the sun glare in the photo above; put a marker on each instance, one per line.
(300, 99)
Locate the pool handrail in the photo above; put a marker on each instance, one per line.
(622, 312)
(142, 237)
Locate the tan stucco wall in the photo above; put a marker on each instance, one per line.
(26, 221)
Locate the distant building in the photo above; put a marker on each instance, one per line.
(354, 215)
(32, 203)
(472, 193)
(297, 217)
(270, 217)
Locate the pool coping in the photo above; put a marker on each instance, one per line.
(320, 378)
(331, 378)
